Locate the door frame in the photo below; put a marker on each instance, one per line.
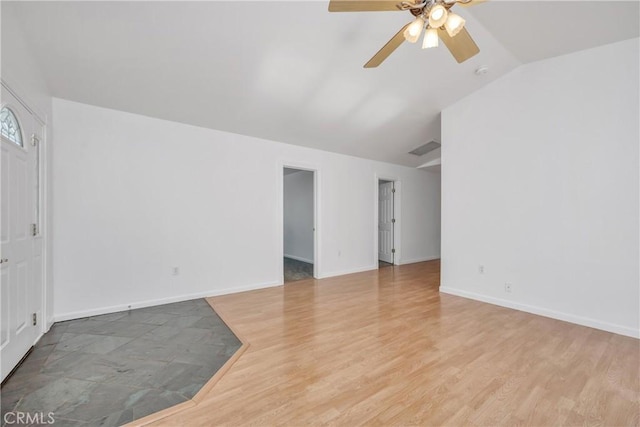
(397, 184)
(44, 199)
(292, 164)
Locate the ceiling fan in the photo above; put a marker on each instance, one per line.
(432, 16)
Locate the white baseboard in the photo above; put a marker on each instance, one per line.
(349, 271)
(579, 320)
(160, 301)
(299, 258)
(414, 260)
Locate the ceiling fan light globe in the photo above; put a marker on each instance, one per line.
(413, 31)
(454, 24)
(430, 38)
(437, 16)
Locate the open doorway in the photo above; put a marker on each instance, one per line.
(386, 223)
(298, 224)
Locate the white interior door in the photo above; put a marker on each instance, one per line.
(385, 222)
(20, 274)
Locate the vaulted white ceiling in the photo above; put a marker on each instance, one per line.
(291, 71)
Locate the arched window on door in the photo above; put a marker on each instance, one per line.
(10, 127)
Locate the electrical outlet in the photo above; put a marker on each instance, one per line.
(175, 271)
(481, 269)
(507, 288)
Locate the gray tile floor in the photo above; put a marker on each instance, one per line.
(109, 370)
(297, 270)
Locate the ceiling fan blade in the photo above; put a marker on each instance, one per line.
(387, 49)
(363, 5)
(462, 46)
(471, 3)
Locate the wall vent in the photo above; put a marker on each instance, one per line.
(424, 149)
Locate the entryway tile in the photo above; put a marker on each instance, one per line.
(111, 369)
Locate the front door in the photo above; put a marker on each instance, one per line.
(385, 222)
(20, 276)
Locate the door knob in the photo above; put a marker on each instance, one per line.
(2, 261)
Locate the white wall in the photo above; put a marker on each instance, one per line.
(21, 75)
(298, 216)
(540, 185)
(136, 196)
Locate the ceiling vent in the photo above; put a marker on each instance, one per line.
(424, 149)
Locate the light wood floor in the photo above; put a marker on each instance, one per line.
(385, 348)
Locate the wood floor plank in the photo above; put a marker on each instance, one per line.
(386, 348)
